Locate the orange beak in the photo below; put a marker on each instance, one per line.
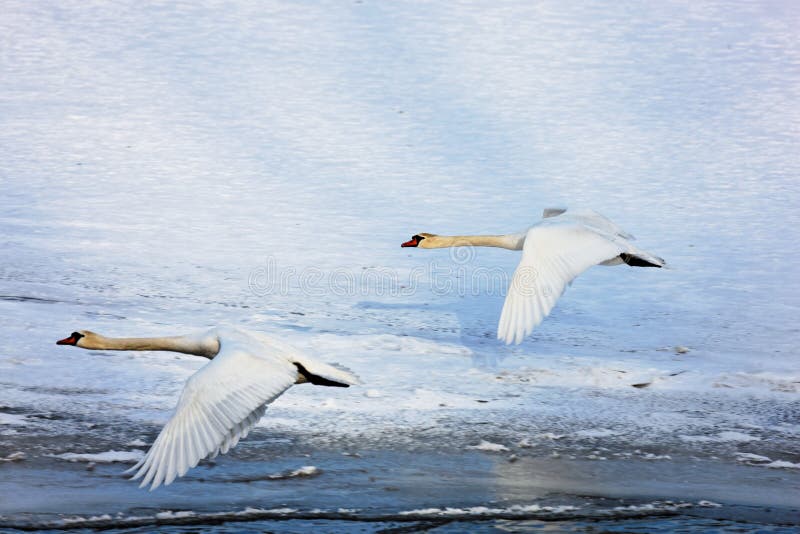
(413, 243)
(71, 340)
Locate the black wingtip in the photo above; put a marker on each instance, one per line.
(636, 261)
(319, 380)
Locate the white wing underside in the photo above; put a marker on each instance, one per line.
(219, 405)
(556, 250)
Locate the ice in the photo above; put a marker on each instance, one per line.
(488, 446)
(595, 433)
(722, 437)
(485, 510)
(174, 515)
(782, 464)
(765, 461)
(305, 471)
(77, 519)
(102, 457)
(255, 511)
(654, 506)
(749, 457)
(12, 419)
(425, 399)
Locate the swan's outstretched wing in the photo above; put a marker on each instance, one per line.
(219, 405)
(555, 252)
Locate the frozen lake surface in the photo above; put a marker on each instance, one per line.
(166, 168)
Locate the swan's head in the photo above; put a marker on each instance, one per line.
(419, 240)
(75, 339)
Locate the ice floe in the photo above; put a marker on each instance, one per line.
(720, 437)
(488, 446)
(102, 457)
(302, 472)
(490, 511)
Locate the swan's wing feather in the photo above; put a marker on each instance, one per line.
(590, 219)
(601, 223)
(242, 429)
(219, 405)
(553, 255)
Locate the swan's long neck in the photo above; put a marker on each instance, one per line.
(206, 346)
(508, 241)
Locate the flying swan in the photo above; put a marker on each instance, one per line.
(555, 251)
(222, 401)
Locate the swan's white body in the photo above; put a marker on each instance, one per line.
(222, 401)
(554, 252)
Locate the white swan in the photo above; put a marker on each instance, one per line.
(222, 401)
(555, 251)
